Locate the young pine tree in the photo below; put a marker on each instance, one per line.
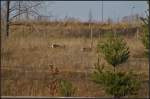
(115, 50)
(118, 84)
(145, 36)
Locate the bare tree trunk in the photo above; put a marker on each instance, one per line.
(27, 14)
(91, 37)
(7, 17)
(99, 34)
(137, 33)
(19, 10)
(91, 30)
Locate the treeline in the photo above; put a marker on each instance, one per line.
(77, 29)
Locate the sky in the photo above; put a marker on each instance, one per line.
(80, 9)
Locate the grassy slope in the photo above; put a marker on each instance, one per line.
(30, 51)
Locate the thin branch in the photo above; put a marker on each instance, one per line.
(24, 13)
(23, 7)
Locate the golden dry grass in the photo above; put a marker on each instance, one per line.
(26, 56)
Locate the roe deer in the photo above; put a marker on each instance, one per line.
(86, 49)
(57, 46)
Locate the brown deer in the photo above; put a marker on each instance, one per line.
(57, 46)
(86, 49)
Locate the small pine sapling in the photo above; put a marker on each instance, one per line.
(66, 88)
(115, 50)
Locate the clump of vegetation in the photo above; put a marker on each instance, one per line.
(145, 36)
(145, 39)
(115, 50)
(118, 84)
(57, 84)
(54, 81)
(66, 88)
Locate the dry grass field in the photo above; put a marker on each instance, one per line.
(27, 54)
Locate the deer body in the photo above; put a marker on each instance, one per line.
(57, 46)
(86, 49)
